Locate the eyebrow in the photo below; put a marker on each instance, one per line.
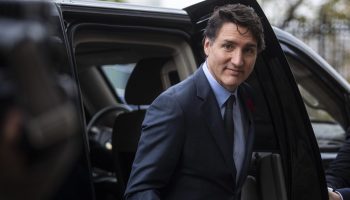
(255, 45)
(252, 45)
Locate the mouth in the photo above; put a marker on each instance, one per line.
(233, 71)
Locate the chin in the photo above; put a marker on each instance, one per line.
(232, 84)
(231, 87)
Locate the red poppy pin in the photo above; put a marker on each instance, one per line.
(250, 105)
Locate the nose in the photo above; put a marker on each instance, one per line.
(237, 58)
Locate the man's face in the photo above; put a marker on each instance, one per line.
(231, 56)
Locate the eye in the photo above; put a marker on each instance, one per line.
(228, 47)
(250, 50)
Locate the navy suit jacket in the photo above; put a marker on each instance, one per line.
(338, 173)
(183, 152)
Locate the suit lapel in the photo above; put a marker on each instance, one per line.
(212, 116)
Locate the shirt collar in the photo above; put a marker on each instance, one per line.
(221, 93)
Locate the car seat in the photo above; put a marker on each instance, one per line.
(143, 86)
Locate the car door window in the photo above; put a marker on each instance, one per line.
(118, 75)
(321, 106)
(117, 54)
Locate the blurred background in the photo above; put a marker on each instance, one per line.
(324, 25)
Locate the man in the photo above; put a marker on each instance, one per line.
(338, 174)
(190, 147)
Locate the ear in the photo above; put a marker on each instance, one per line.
(206, 46)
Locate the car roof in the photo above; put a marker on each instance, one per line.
(119, 5)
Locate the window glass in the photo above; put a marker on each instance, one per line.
(118, 76)
(314, 108)
(321, 106)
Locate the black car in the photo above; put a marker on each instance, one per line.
(104, 53)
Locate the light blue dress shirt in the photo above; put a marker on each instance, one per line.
(222, 95)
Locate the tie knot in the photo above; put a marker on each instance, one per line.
(230, 101)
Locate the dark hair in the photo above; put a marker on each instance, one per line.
(239, 14)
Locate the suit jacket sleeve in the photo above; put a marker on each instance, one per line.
(338, 173)
(345, 193)
(158, 151)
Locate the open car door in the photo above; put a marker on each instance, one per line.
(286, 163)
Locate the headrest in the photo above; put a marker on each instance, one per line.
(145, 83)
